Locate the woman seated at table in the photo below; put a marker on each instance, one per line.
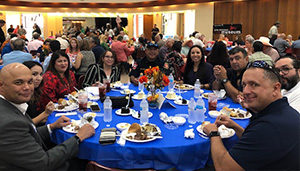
(73, 50)
(38, 118)
(197, 68)
(107, 68)
(84, 60)
(58, 80)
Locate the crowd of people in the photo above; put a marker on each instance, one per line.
(262, 76)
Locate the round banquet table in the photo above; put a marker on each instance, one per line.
(172, 151)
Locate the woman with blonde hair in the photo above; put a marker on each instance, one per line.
(103, 42)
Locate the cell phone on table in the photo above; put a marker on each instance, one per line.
(95, 108)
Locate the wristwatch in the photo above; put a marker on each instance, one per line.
(77, 139)
(224, 80)
(213, 134)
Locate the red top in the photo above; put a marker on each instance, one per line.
(121, 50)
(53, 88)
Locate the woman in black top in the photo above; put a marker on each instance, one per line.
(107, 68)
(38, 118)
(197, 68)
(219, 55)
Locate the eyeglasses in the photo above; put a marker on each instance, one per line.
(284, 70)
(109, 57)
(264, 65)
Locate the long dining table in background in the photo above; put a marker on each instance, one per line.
(172, 151)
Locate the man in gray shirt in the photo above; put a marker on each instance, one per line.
(281, 44)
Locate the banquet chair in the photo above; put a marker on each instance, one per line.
(80, 81)
(93, 166)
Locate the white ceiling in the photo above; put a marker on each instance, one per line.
(89, 1)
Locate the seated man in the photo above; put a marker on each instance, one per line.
(258, 54)
(18, 54)
(22, 145)
(151, 59)
(231, 78)
(271, 140)
(289, 71)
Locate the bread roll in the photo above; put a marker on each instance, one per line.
(134, 128)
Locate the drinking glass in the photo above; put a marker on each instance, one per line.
(212, 101)
(102, 90)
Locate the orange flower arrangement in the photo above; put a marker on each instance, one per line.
(153, 76)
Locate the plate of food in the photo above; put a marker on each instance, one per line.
(236, 113)
(125, 112)
(223, 130)
(64, 105)
(116, 85)
(137, 115)
(181, 102)
(171, 95)
(127, 91)
(77, 124)
(205, 95)
(141, 133)
(184, 87)
(214, 113)
(139, 96)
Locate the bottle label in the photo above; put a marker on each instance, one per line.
(198, 107)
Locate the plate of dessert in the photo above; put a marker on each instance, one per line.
(88, 118)
(139, 96)
(137, 115)
(116, 85)
(122, 126)
(125, 111)
(236, 113)
(223, 130)
(184, 87)
(181, 102)
(127, 91)
(141, 133)
(205, 95)
(64, 105)
(171, 95)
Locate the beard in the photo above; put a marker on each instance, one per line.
(291, 82)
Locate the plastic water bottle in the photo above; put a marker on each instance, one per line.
(107, 110)
(144, 111)
(171, 84)
(197, 89)
(199, 110)
(141, 85)
(191, 107)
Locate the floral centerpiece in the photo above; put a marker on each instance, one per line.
(154, 79)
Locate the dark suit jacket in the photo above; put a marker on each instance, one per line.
(22, 145)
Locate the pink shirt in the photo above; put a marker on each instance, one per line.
(121, 50)
(34, 45)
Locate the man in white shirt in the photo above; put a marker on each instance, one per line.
(288, 68)
(274, 29)
(197, 40)
(64, 44)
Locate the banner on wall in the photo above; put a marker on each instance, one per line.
(227, 29)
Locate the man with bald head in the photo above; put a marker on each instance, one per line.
(22, 145)
(271, 140)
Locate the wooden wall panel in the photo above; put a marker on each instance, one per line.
(289, 16)
(257, 16)
(148, 25)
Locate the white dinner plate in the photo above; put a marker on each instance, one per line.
(171, 98)
(136, 115)
(246, 114)
(71, 129)
(205, 95)
(71, 107)
(179, 102)
(125, 135)
(224, 131)
(131, 92)
(131, 111)
(184, 87)
(136, 97)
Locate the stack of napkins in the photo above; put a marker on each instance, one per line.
(164, 117)
(189, 133)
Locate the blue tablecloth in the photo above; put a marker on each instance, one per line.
(173, 151)
(1, 66)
